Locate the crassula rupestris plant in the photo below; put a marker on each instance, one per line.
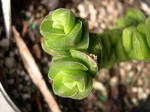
(78, 54)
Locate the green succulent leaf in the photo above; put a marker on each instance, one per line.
(65, 18)
(54, 52)
(71, 83)
(84, 42)
(88, 89)
(132, 18)
(87, 60)
(127, 38)
(147, 30)
(47, 30)
(120, 52)
(141, 28)
(61, 64)
(59, 87)
(140, 47)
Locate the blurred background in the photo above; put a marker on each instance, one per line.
(123, 88)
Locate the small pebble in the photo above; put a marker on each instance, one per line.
(26, 96)
(147, 91)
(128, 67)
(38, 15)
(16, 51)
(103, 26)
(92, 12)
(10, 62)
(81, 8)
(140, 66)
(31, 8)
(40, 8)
(145, 96)
(10, 81)
(134, 101)
(14, 91)
(134, 89)
(5, 42)
(22, 73)
(1, 62)
(51, 4)
(122, 64)
(131, 74)
(20, 87)
(140, 93)
(122, 71)
(28, 14)
(12, 53)
(114, 81)
(140, 90)
(27, 78)
(139, 82)
(45, 60)
(145, 8)
(28, 106)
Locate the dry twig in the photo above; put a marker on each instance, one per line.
(34, 71)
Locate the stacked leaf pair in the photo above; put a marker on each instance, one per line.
(129, 41)
(136, 41)
(136, 35)
(66, 38)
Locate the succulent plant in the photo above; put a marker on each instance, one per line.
(78, 54)
(66, 38)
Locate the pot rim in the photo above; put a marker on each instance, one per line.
(8, 99)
